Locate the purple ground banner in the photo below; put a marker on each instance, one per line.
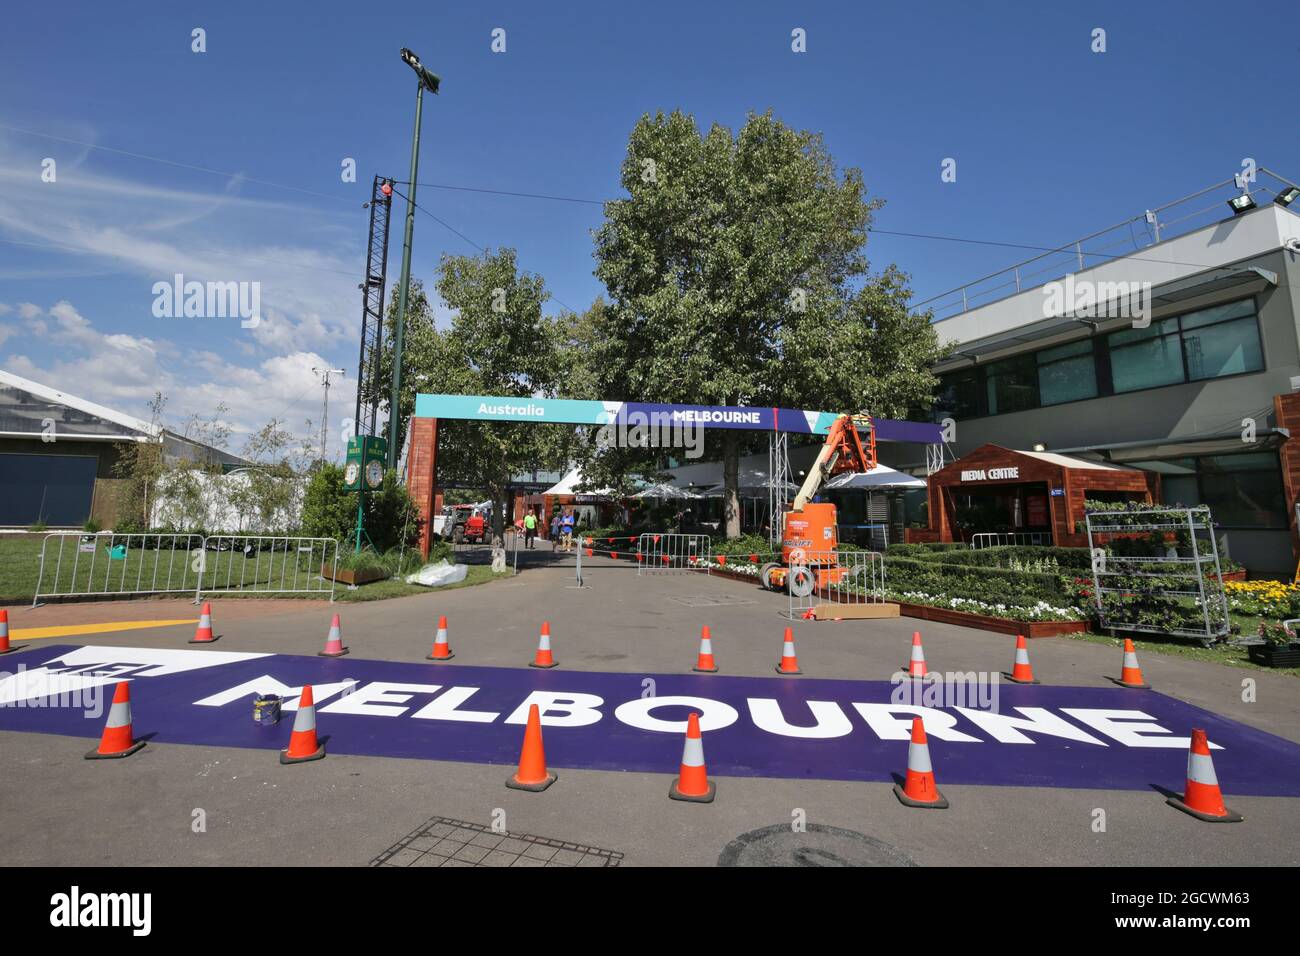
(1076, 737)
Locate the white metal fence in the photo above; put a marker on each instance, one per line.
(827, 580)
(669, 552)
(82, 565)
(89, 565)
(994, 539)
(268, 564)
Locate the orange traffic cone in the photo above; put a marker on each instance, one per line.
(789, 663)
(916, 668)
(203, 633)
(704, 664)
(1131, 674)
(441, 649)
(5, 647)
(692, 783)
(334, 642)
(303, 745)
(532, 774)
(919, 789)
(1202, 797)
(544, 658)
(117, 740)
(1021, 672)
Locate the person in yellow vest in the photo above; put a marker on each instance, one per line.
(530, 529)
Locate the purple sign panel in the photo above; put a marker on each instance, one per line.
(1039, 736)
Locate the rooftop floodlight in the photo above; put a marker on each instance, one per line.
(1287, 196)
(430, 81)
(1241, 203)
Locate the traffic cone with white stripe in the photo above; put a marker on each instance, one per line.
(916, 668)
(692, 783)
(203, 633)
(1202, 797)
(117, 739)
(543, 657)
(919, 789)
(5, 647)
(441, 649)
(532, 774)
(789, 663)
(704, 663)
(1131, 674)
(1021, 672)
(334, 642)
(303, 745)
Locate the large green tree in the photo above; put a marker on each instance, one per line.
(737, 275)
(497, 342)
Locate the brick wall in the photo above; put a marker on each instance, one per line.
(422, 476)
(1286, 409)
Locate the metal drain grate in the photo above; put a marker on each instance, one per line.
(444, 842)
(709, 600)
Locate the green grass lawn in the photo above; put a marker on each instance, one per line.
(175, 571)
(1189, 648)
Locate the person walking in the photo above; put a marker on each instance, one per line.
(566, 530)
(555, 530)
(530, 529)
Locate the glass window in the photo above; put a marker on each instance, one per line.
(1163, 327)
(1244, 491)
(1067, 373)
(56, 489)
(1219, 313)
(1012, 385)
(1146, 364)
(958, 396)
(1224, 349)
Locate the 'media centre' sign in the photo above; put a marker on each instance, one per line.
(990, 474)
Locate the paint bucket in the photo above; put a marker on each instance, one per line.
(266, 710)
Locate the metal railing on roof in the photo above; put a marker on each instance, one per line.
(1114, 242)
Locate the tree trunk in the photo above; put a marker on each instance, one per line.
(499, 503)
(731, 482)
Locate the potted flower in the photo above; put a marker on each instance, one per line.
(1280, 647)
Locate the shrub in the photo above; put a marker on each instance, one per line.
(330, 512)
(744, 546)
(974, 582)
(38, 526)
(91, 526)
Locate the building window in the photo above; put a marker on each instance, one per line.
(959, 396)
(1012, 385)
(1146, 358)
(1244, 491)
(1067, 373)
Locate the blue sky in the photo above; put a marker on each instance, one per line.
(1051, 140)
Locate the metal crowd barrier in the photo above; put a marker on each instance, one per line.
(837, 584)
(669, 552)
(994, 539)
(268, 564)
(89, 565)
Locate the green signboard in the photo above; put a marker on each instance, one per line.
(366, 457)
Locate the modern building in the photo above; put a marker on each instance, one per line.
(58, 455)
(1170, 345)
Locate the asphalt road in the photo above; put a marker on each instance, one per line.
(347, 810)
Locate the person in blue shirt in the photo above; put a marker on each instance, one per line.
(566, 530)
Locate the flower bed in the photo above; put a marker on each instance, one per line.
(1037, 620)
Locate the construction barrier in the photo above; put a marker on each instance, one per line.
(267, 564)
(837, 584)
(667, 552)
(74, 564)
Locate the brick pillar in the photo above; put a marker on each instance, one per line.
(1286, 409)
(422, 476)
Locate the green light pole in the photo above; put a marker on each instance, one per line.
(431, 82)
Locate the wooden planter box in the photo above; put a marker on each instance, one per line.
(1000, 625)
(1235, 575)
(354, 578)
(1275, 655)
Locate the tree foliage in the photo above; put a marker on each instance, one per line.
(737, 276)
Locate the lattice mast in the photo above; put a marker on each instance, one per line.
(372, 308)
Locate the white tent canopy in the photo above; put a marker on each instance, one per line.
(568, 485)
(880, 478)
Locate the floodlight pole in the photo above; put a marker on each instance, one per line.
(423, 78)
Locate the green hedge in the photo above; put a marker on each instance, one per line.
(1075, 559)
(997, 585)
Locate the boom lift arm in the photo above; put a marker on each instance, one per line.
(842, 452)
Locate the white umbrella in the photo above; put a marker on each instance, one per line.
(666, 492)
